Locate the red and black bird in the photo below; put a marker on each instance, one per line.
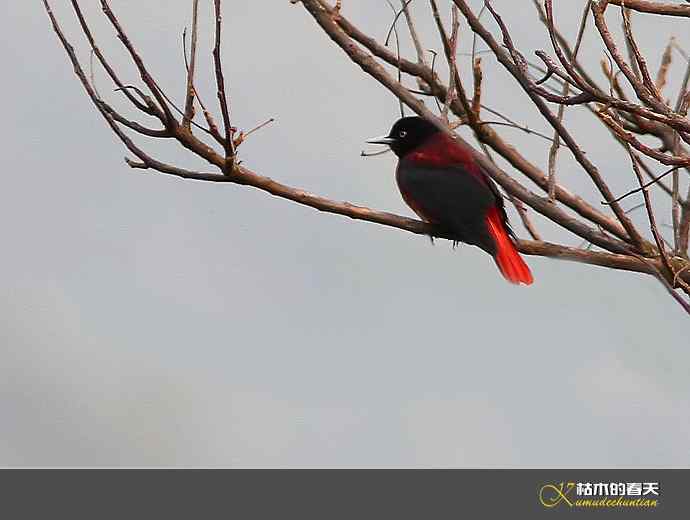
(440, 181)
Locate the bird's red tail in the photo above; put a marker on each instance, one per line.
(510, 263)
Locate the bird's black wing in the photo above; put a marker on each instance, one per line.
(451, 197)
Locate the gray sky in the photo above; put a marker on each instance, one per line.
(147, 320)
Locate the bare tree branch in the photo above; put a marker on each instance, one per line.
(631, 123)
(655, 7)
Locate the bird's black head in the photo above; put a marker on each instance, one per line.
(407, 134)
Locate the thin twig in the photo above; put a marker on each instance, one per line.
(243, 135)
(419, 49)
(401, 107)
(189, 103)
(553, 150)
(220, 83)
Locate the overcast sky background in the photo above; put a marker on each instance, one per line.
(146, 320)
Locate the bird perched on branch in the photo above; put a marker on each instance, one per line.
(440, 180)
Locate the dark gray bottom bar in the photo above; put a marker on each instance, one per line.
(354, 494)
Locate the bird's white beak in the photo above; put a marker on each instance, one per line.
(381, 140)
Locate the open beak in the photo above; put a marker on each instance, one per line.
(381, 140)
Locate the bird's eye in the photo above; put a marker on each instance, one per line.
(402, 133)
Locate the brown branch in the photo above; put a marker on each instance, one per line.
(452, 93)
(413, 32)
(681, 218)
(635, 159)
(553, 150)
(101, 58)
(210, 121)
(639, 58)
(615, 261)
(133, 125)
(654, 7)
(189, 102)
(564, 45)
(168, 120)
(477, 95)
(536, 248)
(641, 90)
(684, 228)
(629, 137)
(674, 119)
(194, 145)
(454, 85)
(220, 83)
(511, 60)
(524, 218)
